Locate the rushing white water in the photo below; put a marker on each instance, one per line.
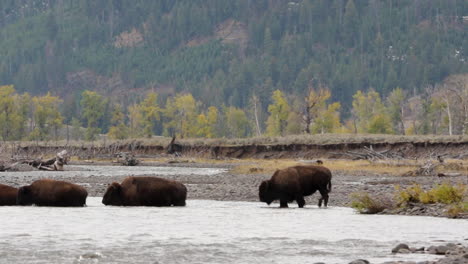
(213, 232)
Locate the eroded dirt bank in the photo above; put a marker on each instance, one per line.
(405, 150)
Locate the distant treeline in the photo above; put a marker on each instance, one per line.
(441, 110)
(344, 45)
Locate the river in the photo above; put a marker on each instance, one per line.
(213, 232)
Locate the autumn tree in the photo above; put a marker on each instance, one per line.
(456, 91)
(135, 118)
(314, 102)
(369, 113)
(76, 129)
(46, 117)
(181, 113)
(237, 124)
(205, 125)
(293, 126)
(92, 105)
(25, 114)
(119, 129)
(254, 113)
(328, 119)
(395, 106)
(279, 112)
(8, 115)
(150, 113)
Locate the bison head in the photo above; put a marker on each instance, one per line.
(264, 193)
(113, 195)
(24, 196)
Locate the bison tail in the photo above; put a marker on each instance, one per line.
(329, 186)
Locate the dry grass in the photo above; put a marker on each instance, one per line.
(349, 166)
(389, 167)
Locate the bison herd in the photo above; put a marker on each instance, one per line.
(285, 185)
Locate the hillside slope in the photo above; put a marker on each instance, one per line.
(225, 51)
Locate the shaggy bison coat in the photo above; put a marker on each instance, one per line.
(294, 183)
(146, 191)
(8, 195)
(48, 192)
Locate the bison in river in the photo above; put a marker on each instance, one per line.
(7, 195)
(145, 191)
(294, 183)
(47, 192)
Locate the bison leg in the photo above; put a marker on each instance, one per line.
(300, 201)
(324, 197)
(283, 203)
(179, 203)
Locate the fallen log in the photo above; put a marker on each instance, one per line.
(53, 164)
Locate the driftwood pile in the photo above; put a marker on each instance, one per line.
(127, 159)
(368, 153)
(53, 164)
(174, 148)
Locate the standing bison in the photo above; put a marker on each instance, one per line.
(294, 183)
(7, 195)
(145, 191)
(48, 192)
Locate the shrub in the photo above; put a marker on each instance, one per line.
(365, 204)
(409, 195)
(455, 210)
(449, 194)
(442, 193)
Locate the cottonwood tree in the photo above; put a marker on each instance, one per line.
(46, 117)
(237, 123)
(181, 112)
(456, 87)
(119, 129)
(279, 112)
(92, 105)
(369, 113)
(150, 113)
(135, 118)
(76, 129)
(206, 123)
(395, 107)
(328, 119)
(8, 115)
(255, 113)
(315, 100)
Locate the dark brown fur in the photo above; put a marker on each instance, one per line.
(294, 183)
(8, 195)
(146, 191)
(47, 192)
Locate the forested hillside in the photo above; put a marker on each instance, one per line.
(233, 53)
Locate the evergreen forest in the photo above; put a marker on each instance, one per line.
(232, 68)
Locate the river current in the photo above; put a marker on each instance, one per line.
(213, 232)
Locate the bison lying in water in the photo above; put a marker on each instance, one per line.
(145, 191)
(294, 183)
(8, 195)
(48, 192)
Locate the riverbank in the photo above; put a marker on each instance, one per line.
(330, 146)
(240, 179)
